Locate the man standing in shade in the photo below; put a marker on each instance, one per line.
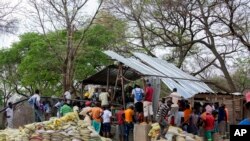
(104, 97)
(138, 95)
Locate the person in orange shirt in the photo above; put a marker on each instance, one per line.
(187, 113)
(96, 113)
(128, 120)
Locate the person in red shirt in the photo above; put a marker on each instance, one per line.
(208, 123)
(147, 104)
(120, 121)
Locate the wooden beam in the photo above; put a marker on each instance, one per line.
(108, 74)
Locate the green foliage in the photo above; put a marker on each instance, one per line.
(241, 76)
(90, 57)
(38, 61)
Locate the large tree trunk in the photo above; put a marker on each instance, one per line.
(68, 66)
(224, 70)
(67, 75)
(212, 47)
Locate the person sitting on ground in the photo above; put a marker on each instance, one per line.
(65, 108)
(138, 95)
(147, 104)
(246, 121)
(103, 97)
(106, 122)
(96, 114)
(9, 115)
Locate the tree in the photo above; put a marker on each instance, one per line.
(55, 15)
(8, 23)
(189, 27)
(235, 15)
(38, 68)
(241, 76)
(35, 67)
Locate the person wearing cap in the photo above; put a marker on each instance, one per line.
(246, 121)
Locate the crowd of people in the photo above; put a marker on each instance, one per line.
(204, 120)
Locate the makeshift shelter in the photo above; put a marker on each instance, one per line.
(233, 101)
(142, 65)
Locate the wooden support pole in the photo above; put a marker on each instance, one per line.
(233, 109)
(122, 83)
(116, 82)
(108, 74)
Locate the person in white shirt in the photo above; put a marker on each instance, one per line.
(175, 107)
(67, 96)
(9, 115)
(106, 122)
(35, 102)
(103, 97)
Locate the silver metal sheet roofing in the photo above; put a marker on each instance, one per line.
(186, 84)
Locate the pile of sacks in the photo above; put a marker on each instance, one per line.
(177, 134)
(67, 128)
(173, 134)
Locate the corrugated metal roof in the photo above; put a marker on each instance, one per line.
(111, 71)
(133, 63)
(186, 84)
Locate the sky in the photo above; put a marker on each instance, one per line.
(24, 21)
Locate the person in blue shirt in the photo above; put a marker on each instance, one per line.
(246, 121)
